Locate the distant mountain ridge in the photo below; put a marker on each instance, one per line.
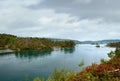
(101, 41)
(89, 42)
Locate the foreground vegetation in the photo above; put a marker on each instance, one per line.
(22, 43)
(117, 44)
(106, 71)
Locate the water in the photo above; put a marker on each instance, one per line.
(16, 66)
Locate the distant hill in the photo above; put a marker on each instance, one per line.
(101, 41)
(88, 42)
(57, 39)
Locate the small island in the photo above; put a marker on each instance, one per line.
(8, 41)
(97, 45)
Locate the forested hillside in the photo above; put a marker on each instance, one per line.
(29, 43)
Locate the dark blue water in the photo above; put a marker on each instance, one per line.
(16, 66)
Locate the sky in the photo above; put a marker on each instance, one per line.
(66, 19)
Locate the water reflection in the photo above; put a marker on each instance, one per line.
(68, 50)
(6, 52)
(33, 54)
(30, 54)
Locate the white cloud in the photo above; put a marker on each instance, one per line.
(19, 20)
(45, 20)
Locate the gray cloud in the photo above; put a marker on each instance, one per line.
(107, 9)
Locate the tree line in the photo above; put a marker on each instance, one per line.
(116, 45)
(31, 43)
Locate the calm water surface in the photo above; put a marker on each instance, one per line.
(15, 66)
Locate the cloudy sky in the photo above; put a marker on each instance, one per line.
(69, 19)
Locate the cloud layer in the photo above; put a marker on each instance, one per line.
(69, 19)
